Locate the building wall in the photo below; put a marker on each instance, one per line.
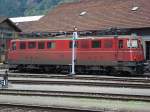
(145, 39)
(5, 26)
(7, 32)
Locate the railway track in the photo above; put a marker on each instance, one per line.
(109, 81)
(81, 82)
(145, 79)
(72, 94)
(38, 108)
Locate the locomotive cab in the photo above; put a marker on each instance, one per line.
(133, 56)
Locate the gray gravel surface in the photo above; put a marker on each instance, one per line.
(78, 103)
(78, 88)
(17, 109)
(23, 109)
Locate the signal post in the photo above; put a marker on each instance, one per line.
(74, 37)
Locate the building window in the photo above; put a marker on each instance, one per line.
(108, 44)
(96, 44)
(14, 46)
(51, 44)
(41, 45)
(120, 44)
(22, 45)
(32, 45)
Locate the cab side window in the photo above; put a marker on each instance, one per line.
(120, 44)
(70, 44)
(41, 45)
(32, 45)
(13, 45)
(96, 44)
(22, 45)
(51, 45)
(84, 44)
(108, 43)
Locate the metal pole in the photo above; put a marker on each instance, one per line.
(130, 49)
(74, 37)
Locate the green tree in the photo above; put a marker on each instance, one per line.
(28, 7)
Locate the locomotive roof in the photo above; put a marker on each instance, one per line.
(70, 38)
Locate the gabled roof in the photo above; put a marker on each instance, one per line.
(5, 19)
(24, 22)
(95, 15)
(2, 18)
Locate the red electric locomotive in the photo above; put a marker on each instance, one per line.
(93, 54)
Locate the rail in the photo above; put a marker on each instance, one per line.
(71, 94)
(40, 108)
(124, 84)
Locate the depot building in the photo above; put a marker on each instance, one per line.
(102, 17)
(7, 32)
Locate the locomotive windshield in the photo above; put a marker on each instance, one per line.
(132, 43)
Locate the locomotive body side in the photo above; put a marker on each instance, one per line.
(109, 53)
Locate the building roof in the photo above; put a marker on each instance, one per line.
(95, 15)
(5, 19)
(2, 18)
(24, 22)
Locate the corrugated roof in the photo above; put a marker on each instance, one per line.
(100, 14)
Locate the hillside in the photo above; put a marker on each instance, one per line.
(14, 8)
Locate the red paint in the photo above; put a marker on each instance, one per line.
(61, 54)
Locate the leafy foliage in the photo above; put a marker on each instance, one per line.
(13, 8)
